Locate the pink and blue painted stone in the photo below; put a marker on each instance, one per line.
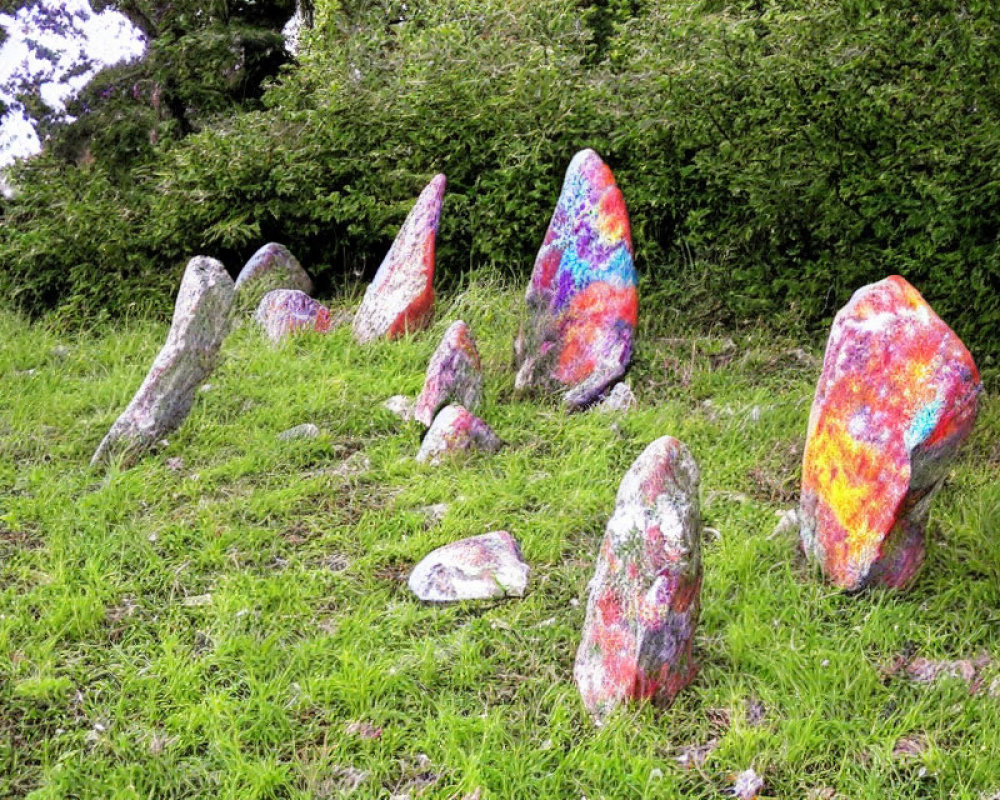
(582, 300)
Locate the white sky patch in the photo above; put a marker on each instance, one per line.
(53, 49)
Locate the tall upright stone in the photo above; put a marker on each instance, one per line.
(401, 296)
(897, 396)
(454, 375)
(582, 301)
(271, 267)
(645, 596)
(200, 323)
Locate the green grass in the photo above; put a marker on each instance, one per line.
(213, 627)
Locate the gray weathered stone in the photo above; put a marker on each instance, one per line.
(304, 431)
(271, 267)
(200, 323)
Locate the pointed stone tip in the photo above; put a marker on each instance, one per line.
(583, 156)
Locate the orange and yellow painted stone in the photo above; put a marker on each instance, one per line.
(896, 398)
(400, 299)
(645, 595)
(582, 300)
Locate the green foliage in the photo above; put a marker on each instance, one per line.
(774, 156)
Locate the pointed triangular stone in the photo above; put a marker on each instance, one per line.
(897, 396)
(645, 595)
(455, 430)
(582, 300)
(271, 267)
(200, 323)
(401, 296)
(454, 375)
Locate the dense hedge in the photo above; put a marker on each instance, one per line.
(774, 156)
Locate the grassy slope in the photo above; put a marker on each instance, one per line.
(121, 678)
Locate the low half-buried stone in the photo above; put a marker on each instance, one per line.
(645, 595)
(456, 430)
(582, 301)
(400, 299)
(897, 396)
(271, 267)
(200, 323)
(283, 312)
(477, 568)
(454, 375)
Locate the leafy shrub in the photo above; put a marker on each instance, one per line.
(774, 155)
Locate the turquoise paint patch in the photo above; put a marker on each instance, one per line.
(923, 424)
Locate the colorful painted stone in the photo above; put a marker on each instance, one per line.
(401, 297)
(285, 311)
(477, 568)
(454, 430)
(200, 323)
(454, 375)
(645, 595)
(271, 267)
(897, 396)
(582, 299)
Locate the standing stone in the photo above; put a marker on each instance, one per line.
(401, 297)
(271, 267)
(285, 311)
(200, 323)
(476, 568)
(645, 595)
(582, 300)
(897, 396)
(454, 374)
(454, 429)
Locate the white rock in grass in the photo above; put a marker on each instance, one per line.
(620, 398)
(304, 431)
(477, 568)
(400, 405)
(200, 323)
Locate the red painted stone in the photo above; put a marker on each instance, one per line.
(454, 375)
(400, 299)
(645, 595)
(897, 396)
(285, 311)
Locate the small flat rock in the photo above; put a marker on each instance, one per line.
(477, 568)
(619, 399)
(400, 298)
(455, 430)
(306, 430)
(897, 396)
(400, 405)
(200, 324)
(582, 301)
(283, 312)
(271, 267)
(645, 596)
(747, 785)
(454, 375)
